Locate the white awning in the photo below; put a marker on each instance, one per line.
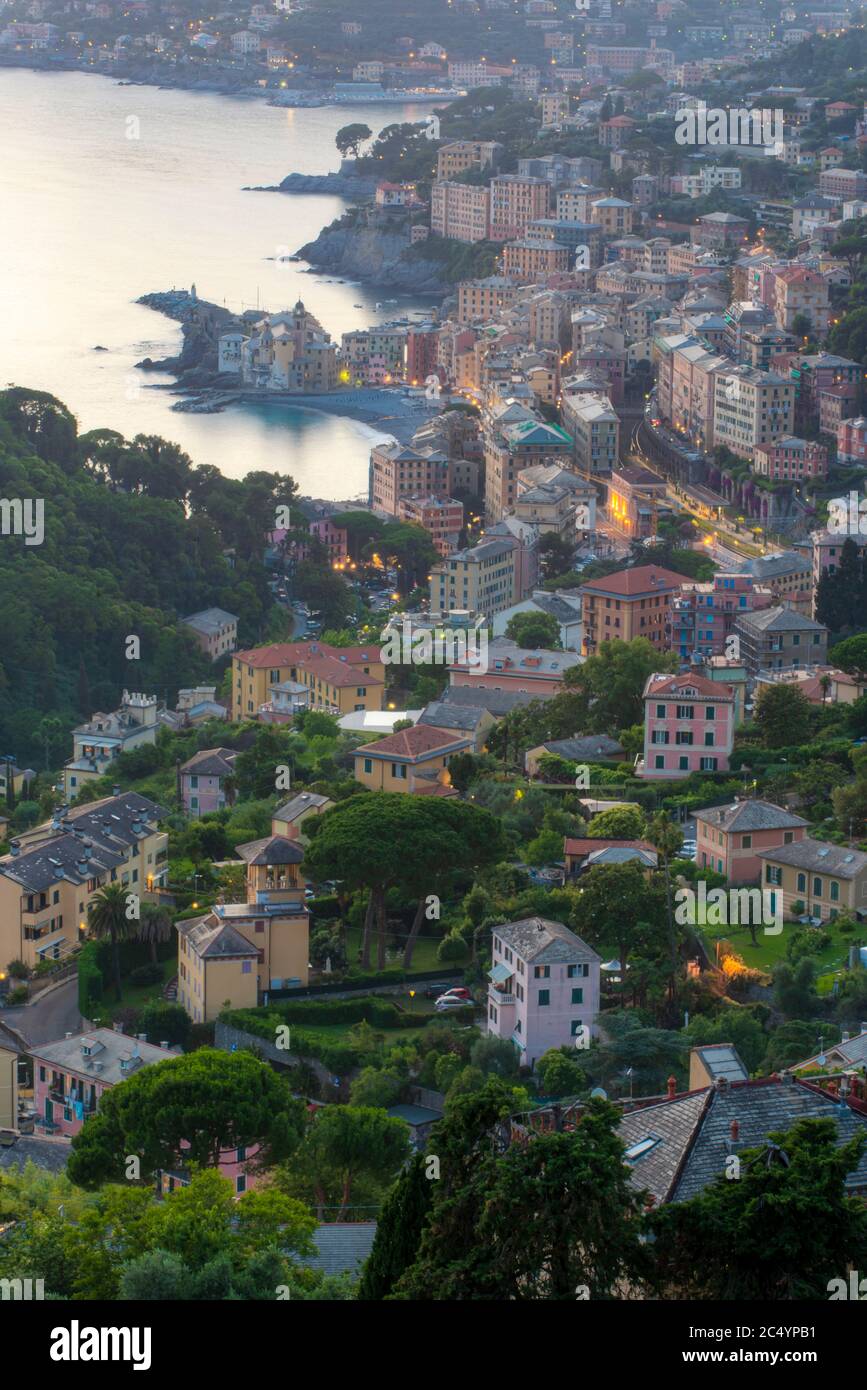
(499, 974)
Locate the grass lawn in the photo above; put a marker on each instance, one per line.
(770, 950)
(135, 996)
(424, 956)
(340, 1032)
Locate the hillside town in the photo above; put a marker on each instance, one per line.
(376, 871)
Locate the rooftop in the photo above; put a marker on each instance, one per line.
(750, 815)
(544, 942)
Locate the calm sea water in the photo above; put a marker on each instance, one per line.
(92, 219)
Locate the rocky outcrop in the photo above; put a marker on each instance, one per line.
(201, 326)
(374, 254)
(338, 184)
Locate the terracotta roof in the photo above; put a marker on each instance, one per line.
(415, 742)
(587, 846)
(680, 685)
(632, 583)
(289, 653)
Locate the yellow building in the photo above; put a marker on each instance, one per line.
(817, 878)
(413, 760)
(51, 873)
(341, 680)
(8, 1089)
(289, 818)
(238, 951)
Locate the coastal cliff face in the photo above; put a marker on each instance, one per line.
(374, 254)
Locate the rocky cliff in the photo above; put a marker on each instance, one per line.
(338, 184)
(375, 254)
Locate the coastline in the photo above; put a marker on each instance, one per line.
(225, 84)
(386, 411)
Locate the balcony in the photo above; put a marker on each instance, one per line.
(499, 996)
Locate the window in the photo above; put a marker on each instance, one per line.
(708, 739)
(686, 711)
(773, 874)
(361, 690)
(577, 996)
(246, 967)
(642, 1147)
(683, 764)
(788, 837)
(835, 891)
(660, 711)
(368, 764)
(398, 770)
(710, 712)
(817, 888)
(659, 761)
(241, 1183)
(544, 997)
(746, 842)
(542, 972)
(802, 883)
(577, 972)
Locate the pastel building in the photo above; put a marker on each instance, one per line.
(689, 726)
(630, 603)
(510, 667)
(413, 760)
(97, 742)
(336, 679)
(289, 818)
(71, 1076)
(215, 630)
(52, 872)
(233, 955)
(544, 987)
(729, 839)
(205, 781)
(817, 878)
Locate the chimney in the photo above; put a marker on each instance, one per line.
(115, 791)
(671, 1085)
(118, 1028)
(734, 1130)
(14, 848)
(722, 1083)
(844, 1037)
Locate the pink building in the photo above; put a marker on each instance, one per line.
(510, 667)
(688, 726)
(71, 1076)
(544, 987)
(852, 440)
(702, 616)
(729, 838)
(202, 781)
(334, 538)
(441, 517)
(791, 459)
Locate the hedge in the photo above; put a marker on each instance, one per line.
(90, 980)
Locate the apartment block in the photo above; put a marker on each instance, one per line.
(480, 579)
(460, 211)
(515, 202)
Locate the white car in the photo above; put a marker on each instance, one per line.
(451, 1001)
(688, 849)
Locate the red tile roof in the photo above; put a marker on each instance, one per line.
(299, 653)
(676, 685)
(415, 742)
(635, 583)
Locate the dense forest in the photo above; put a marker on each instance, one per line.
(135, 538)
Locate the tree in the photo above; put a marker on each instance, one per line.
(534, 630)
(651, 1053)
(190, 1109)
(352, 1142)
(613, 681)
(785, 1230)
(373, 1087)
(585, 1228)
(350, 138)
(851, 655)
(618, 823)
(495, 1057)
(782, 715)
(545, 848)
(398, 1231)
(850, 808)
(559, 1074)
(385, 840)
(556, 554)
(795, 988)
(154, 926)
(667, 839)
(617, 903)
(107, 917)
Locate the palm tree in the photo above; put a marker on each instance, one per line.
(154, 926)
(106, 915)
(824, 686)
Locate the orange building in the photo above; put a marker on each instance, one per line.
(631, 603)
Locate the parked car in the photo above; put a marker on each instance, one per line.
(448, 1002)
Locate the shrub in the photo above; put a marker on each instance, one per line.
(19, 995)
(89, 980)
(18, 970)
(149, 974)
(164, 1022)
(452, 947)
